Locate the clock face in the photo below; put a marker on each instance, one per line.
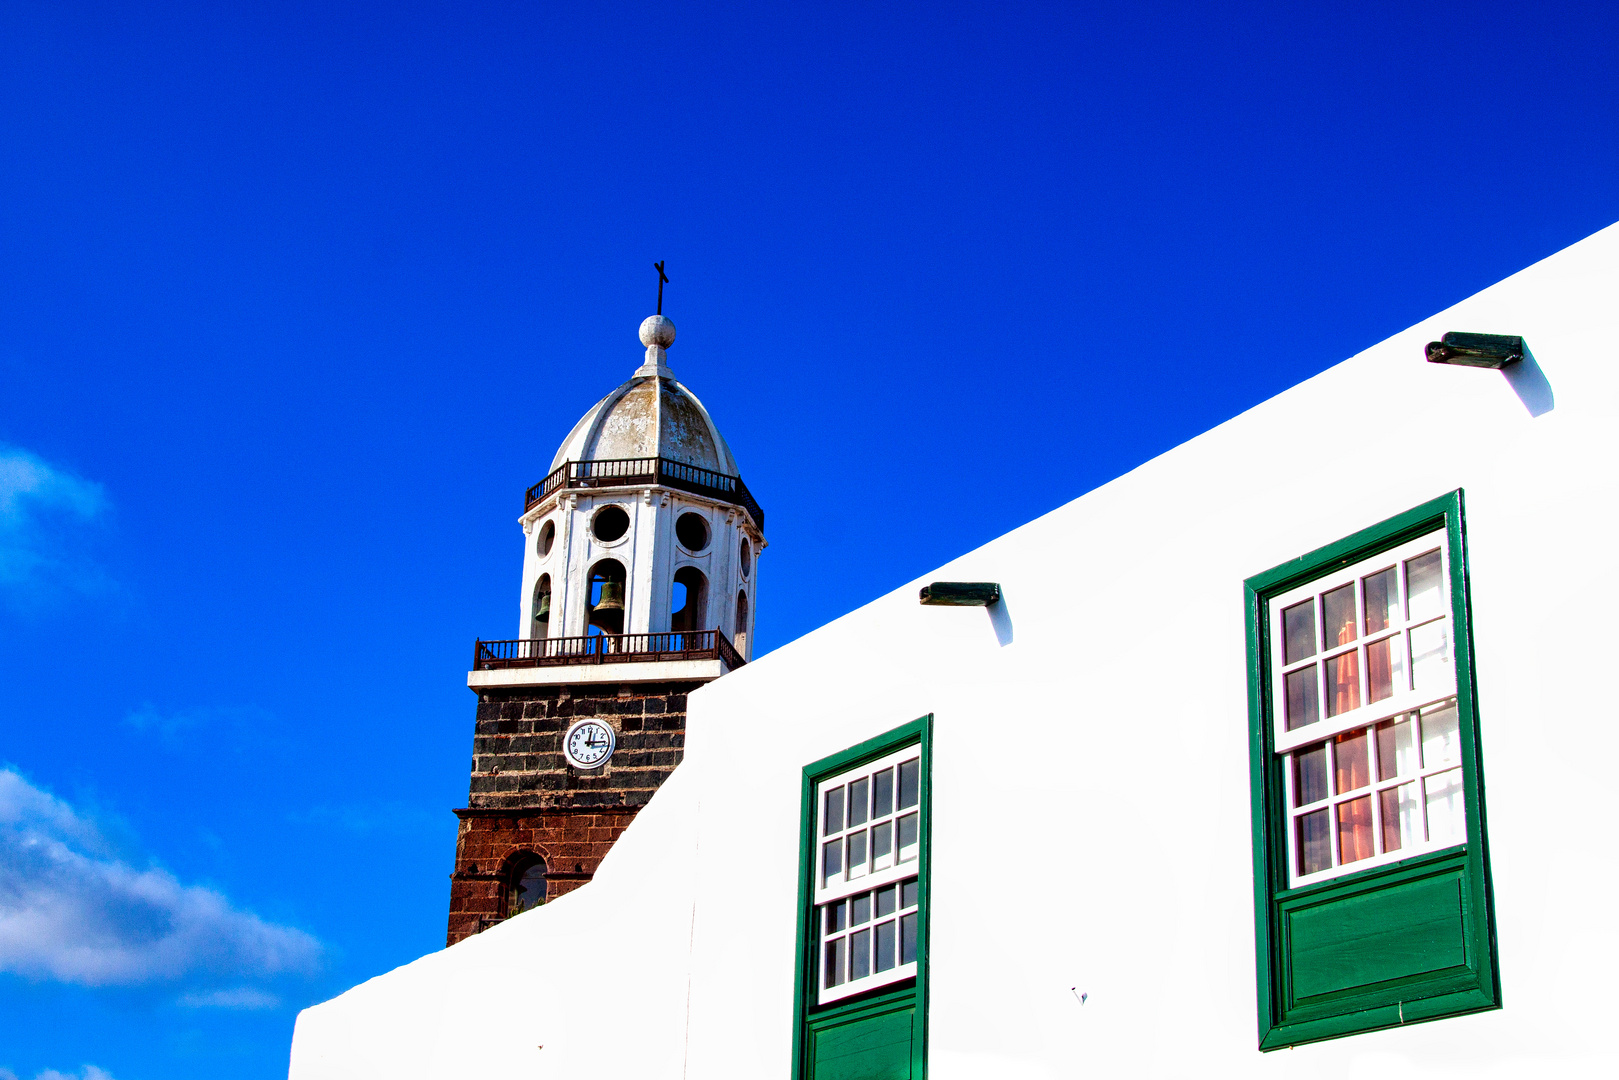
(589, 743)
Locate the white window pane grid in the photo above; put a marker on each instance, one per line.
(867, 939)
(1370, 639)
(868, 845)
(1375, 794)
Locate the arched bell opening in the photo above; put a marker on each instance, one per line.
(742, 622)
(607, 597)
(688, 602)
(524, 883)
(541, 610)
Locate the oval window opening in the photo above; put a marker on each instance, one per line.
(747, 557)
(611, 523)
(692, 531)
(548, 536)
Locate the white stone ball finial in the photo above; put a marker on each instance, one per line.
(657, 330)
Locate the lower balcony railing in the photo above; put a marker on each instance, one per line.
(605, 649)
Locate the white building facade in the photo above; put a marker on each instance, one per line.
(1263, 777)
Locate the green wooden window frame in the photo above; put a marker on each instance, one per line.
(1399, 943)
(880, 1035)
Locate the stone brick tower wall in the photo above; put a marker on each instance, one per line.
(527, 801)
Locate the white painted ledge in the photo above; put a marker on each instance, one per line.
(647, 671)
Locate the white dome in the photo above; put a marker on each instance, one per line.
(649, 416)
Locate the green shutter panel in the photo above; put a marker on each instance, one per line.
(868, 1048)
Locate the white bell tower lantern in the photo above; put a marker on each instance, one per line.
(642, 541)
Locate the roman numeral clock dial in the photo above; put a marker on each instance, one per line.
(588, 744)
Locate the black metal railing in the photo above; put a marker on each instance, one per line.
(605, 649)
(628, 472)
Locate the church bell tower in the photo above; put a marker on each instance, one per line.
(640, 572)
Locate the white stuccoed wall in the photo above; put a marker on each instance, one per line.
(1091, 806)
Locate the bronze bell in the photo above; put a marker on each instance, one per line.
(542, 610)
(608, 614)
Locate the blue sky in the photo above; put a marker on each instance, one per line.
(296, 300)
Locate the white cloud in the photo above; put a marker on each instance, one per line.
(90, 1073)
(73, 912)
(43, 510)
(242, 997)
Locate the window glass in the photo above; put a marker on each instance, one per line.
(1430, 657)
(1445, 815)
(1424, 587)
(1382, 596)
(885, 946)
(832, 814)
(1441, 736)
(882, 845)
(1355, 830)
(1385, 668)
(910, 773)
(885, 900)
(1402, 817)
(859, 794)
(907, 837)
(1349, 761)
(882, 793)
(1301, 698)
(1314, 843)
(1338, 615)
(1310, 775)
(833, 962)
(907, 939)
(1299, 629)
(1343, 683)
(1396, 750)
(831, 860)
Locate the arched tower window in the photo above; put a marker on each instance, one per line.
(688, 603)
(525, 884)
(542, 608)
(742, 622)
(607, 597)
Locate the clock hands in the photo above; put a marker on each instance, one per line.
(589, 743)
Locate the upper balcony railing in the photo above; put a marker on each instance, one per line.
(605, 649)
(628, 472)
